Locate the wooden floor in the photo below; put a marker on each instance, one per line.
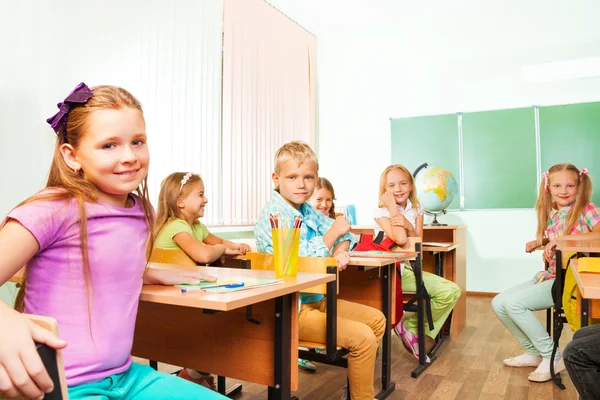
(469, 367)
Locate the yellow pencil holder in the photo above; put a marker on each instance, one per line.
(286, 243)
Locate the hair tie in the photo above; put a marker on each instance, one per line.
(584, 171)
(545, 176)
(184, 180)
(80, 95)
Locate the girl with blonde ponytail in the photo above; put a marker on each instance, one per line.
(563, 208)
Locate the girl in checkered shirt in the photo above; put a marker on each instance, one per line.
(563, 208)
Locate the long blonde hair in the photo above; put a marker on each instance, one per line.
(171, 191)
(544, 203)
(73, 185)
(383, 184)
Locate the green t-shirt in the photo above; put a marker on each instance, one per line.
(166, 234)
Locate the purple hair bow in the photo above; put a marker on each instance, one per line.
(80, 95)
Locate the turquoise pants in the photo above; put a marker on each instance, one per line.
(141, 382)
(444, 295)
(515, 308)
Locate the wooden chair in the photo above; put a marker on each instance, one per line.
(169, 256)
(179, 257)
(415, 301)
(421, 300)
(334, 355)
(52, 359)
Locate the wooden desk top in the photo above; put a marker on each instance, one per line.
(229, 301)
(440, 249)
(588, 282)
(377, 262)
(579, 245)
(366, 227)
(222, 301)
(366, 261)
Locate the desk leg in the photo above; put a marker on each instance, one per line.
(557, 325)
(584, 312)
(387, 386)
(283, 357)
(439, 264)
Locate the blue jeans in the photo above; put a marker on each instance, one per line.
(141, 382)
(582, 359)
(515, 308)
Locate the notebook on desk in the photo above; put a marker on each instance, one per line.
(232, 284)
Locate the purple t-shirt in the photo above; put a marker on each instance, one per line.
(100, 346)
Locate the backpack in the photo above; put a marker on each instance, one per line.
(570, 300)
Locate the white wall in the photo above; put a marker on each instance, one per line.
(168, 54)
(379, 59)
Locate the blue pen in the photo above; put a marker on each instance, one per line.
(234, 285)
(196, 288)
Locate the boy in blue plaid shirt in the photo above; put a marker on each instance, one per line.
(359, 327)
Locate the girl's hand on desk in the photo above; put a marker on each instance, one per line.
(244, 248)
(343, 259)
(549, 251)
(229, 252)
(531, 246)
(22, 373)
(170, 277)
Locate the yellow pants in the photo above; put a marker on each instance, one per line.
(359, 330)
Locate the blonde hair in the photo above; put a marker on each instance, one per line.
(169, 194)
(544, 204)
(383, 184)
(298, 151)
(323, 183)
(72, 184)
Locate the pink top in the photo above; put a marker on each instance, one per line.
(100, 346)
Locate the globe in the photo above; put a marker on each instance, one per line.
(436, 188)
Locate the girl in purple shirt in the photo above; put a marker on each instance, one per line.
(84, 241)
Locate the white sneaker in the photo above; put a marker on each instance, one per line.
(524, 360)
(544, 375)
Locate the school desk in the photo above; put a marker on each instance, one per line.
(448, 262)
(251, 335)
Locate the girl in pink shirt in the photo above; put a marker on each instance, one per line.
(563, 208)
(84, 241)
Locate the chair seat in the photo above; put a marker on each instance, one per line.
(313, 345)
(315, 352)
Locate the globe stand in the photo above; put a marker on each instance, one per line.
(435, 221)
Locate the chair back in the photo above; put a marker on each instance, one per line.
(169, 256)
(52, 359)
(263, 261)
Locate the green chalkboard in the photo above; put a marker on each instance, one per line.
(432, 139)
(499, 159)
(571, 133)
